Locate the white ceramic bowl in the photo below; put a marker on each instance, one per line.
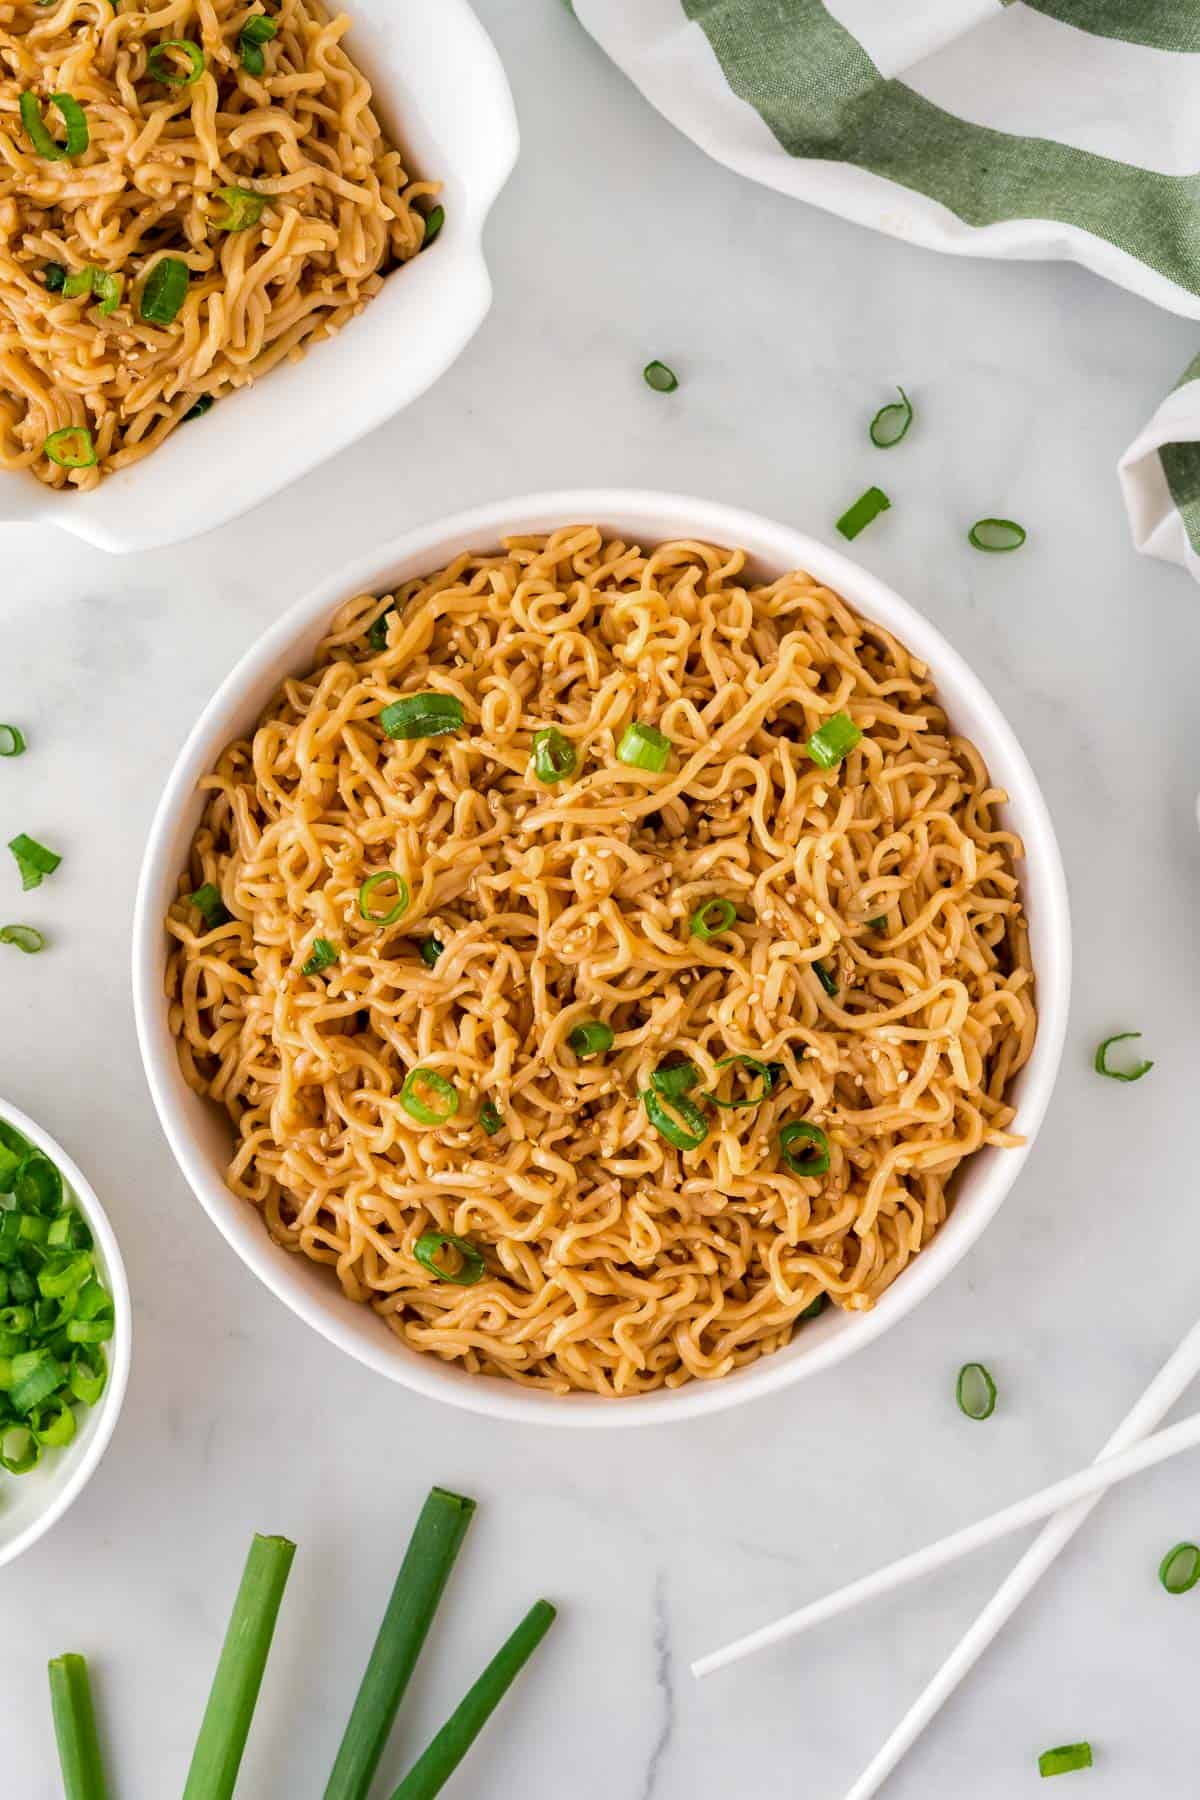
(200, 1137)
(441, 91)
(31, 1504)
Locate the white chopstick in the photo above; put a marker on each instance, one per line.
(1176, 1373)
(1092, 1480)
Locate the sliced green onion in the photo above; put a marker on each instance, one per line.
(435, 218)
(644, 747)
(471, 1266)
(79, 282)
(975, 1391)
(198, 408)
(443, 1090)
(808, 1162)
(418, 1589)
(996, 534)
(814, 1307)
(36, 1374)
(688, 1135)
(64, 1273)
(73, 117)
(422, 716)
(491, 1118)
(243, 208)
(592, 1038)
(38, 1187)
(324, 955)
(209, 904)
(253, 60)
(553, 756)
(833, 740)
(434, 1767)
(108, 289)
(231, 1701)
(87, 1374)
(868, 506)
(164, 291)
(33, 860)
(12, 741)
(256, 32)
(878, 923)
(1100, 1063)
(71, 447)
(25, 937)
(765, 1073)
(1179, 1570)
(712, 917)
(431, 949)
(55, 1429)
(75, 1729)
(259, 28)
(54, 276)
(377, 636)
(826, 979)
(673, 1079)
(177, 61)
(891, 422)
(19, 1449)
(368, 888)
(656, 375)
(1064, 1759)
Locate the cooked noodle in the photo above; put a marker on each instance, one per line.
(614, 1261)
(339, 213)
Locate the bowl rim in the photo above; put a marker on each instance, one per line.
(119, 1348)
(641, 513)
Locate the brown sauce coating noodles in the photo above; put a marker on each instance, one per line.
(615, 1262)
(339, 213)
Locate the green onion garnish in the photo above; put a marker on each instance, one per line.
(1064, 1759)
(54, 276)
(323, 956)
(688, 1135)
(108, 289)
(469, 1268)
(256, 32)
(33, 860)
(674, 1079)
(209, 904)
(892, 421)
(765, 1073)
(431, 948)
(553, 756)
(368, 888)
(75, 1729)
(79, 282)
(19, 1449)
(712, 917)
(868, 506)
(12, 741)
(243, 208)
(491, 1118)
(422, 715)
(827, 980)
(1100, 1063)
(878, 923)
(975, 1391)
(833, 740)
(656, 375)
(435, 218)
(226, 1724)
(73, 117)
(808, 1162)
(1179, 1570)
(198, 408)
(435, 1084)
(814, 1307)
(418, 1589)
(644, 747)
(71, 447)
(164, 291)
(434, 1767)
(25, 938)
(377, 636)
(592, 1038)
(996, 534)
(177, 61)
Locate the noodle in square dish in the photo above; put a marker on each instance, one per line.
(191, 192)
(606, 955)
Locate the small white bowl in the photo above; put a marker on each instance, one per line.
(200, 1136)
(442, 93)
(31, 1504)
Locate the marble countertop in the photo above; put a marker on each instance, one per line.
(617, 241)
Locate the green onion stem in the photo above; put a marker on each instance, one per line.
(891, 422)
(12, 740)
(75, 1729)
(435, 218)
(24, 937)
(1179, 1570)
(868, 506)
(656, 375)
(975, 1391)
(996, 535)
(1065, 1759)
(1100, 1063)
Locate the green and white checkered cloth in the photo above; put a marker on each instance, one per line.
(1016, 128)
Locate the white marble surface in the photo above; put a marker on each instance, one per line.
(616, 241)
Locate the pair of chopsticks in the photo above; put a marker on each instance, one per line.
(1130, 1449)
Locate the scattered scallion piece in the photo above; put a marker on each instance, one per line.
(24, 937)
(257, 31)
(975, 1391)
(428, 1560)
(656, 375)
(323, 956)
(368, 888)
(891, 422)
(684, 1125)
(433, 1083)
(432, 1245)
(833, 740)
(491, 1118)
(592, 1038)
(73, 117)
(765, 1073)
(243, 208)
(164, 291)
(712, 917)
(75, 1729)
(79, 282)
(431, 949)
(209, 904)
(1100, 1063)
(878, 923)
(231, 1701)
(108, 289)
(54, 276)
(644, 747)
(1065, 1759)
(71, 447)
(996, 534)
(1179, 1570)
(33, 860)
(814, 1161)
(434, 1767)
(176, 61)
(673, 1079)
(12, 741)
(827, 980)
(198, 408)
(377, 636)
(868, 506)
(422, 716)
(814, 1307)
(435, 218)
(553, 756)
